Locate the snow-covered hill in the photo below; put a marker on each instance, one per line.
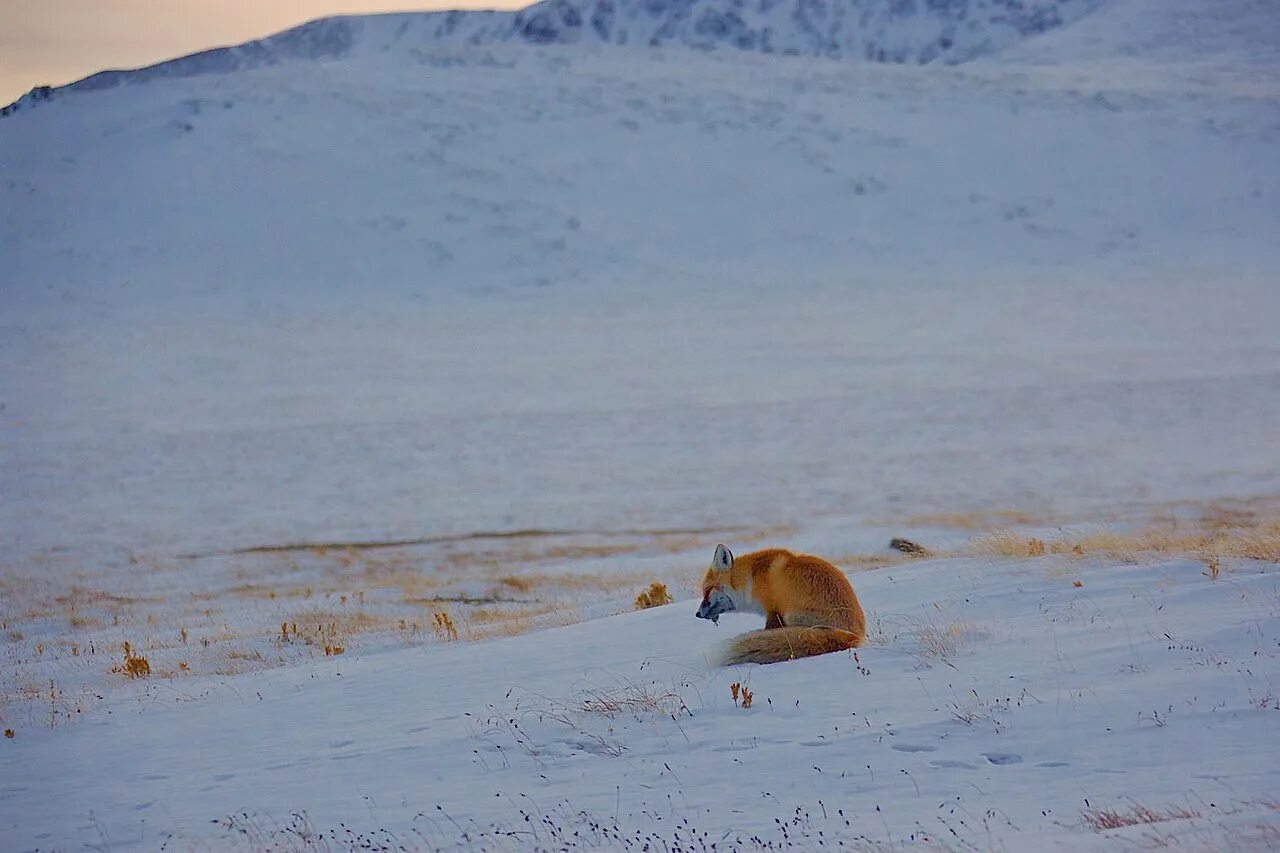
(441, 257)
(874, 30)
(334, 336)
(1232, 36)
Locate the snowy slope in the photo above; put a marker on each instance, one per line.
(334, 295)
(1234, 35)
(344, 297)
(875, 30)
(1148, 685)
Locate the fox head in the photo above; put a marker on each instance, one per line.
(715, 597)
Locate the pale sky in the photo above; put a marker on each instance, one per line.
(56, 41)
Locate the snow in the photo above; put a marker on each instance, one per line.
(634, 303)
(1149, 683)
(983, 288)
(872, 30)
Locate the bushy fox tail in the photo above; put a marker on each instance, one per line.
(772, 645)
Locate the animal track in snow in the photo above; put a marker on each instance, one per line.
(913, 747)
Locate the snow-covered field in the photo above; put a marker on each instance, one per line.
(996, 701)
(301, 354)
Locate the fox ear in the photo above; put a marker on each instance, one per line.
(723, 560)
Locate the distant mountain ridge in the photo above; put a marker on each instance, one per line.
(901, 31)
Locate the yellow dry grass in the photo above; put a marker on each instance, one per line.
(79, 597)
(975, 520)
(517, 622)
(508, 613)
(516, 583)
(655, 596)
(576, 581)
(321, 625)
(335, 598)
(265, 592)
(867, 562)
(430, 573)
(1243, 537)
(444, 626)
(134, 665)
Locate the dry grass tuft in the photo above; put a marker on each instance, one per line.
(1104, 819)
(445, 630)
(590, 713)
(629, 697)
(943, 639)
(655, 596)
(135, 665)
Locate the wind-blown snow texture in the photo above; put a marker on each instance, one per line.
(445, 288)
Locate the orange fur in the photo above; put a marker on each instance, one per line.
(809, 606)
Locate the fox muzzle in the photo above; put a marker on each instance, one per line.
(714, 604)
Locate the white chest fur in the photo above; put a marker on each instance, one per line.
(743, 600)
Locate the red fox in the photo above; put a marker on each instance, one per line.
(808, 604)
